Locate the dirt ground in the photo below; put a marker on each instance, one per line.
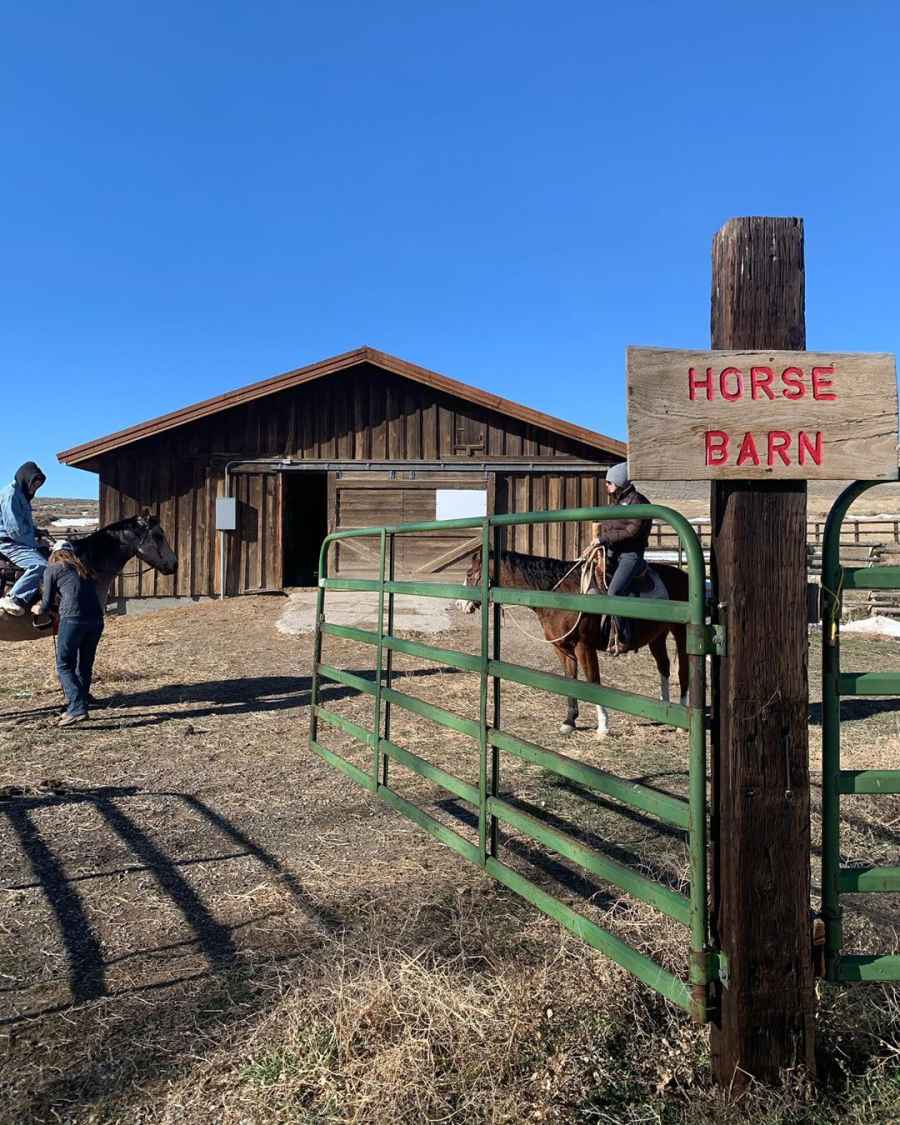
(203, 922)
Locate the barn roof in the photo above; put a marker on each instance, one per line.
(80, 454)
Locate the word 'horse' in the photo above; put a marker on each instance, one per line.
(106, 552)
(576, 638)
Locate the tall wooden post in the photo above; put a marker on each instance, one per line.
(761, 832)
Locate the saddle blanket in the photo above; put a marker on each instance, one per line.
(648, 584)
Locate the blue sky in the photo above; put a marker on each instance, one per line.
(195, 196)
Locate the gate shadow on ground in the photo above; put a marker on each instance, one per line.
(574, 879)
(864, 827)
(854, 710)
(242, 696)
(86, 966)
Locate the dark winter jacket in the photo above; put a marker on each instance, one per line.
(78, 597)
(626, 534)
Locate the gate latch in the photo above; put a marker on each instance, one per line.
(717, 966)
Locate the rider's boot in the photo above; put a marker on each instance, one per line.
(12, 606)
(619, 640)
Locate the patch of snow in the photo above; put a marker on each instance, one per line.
(76, 521)
(876, 626)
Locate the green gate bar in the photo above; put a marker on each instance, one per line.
(838, 880)
(690, 814)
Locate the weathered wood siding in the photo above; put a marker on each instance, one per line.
(542, 492)
(364, 413)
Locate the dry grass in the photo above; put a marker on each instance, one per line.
(202, 923)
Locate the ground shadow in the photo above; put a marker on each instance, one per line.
(576, 882)
(85, 962)
(854, 710)
(244, 695)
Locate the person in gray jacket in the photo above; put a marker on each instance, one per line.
(18, 538)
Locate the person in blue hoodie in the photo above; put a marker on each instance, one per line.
(18, 538)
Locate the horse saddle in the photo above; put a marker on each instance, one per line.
(648, 584)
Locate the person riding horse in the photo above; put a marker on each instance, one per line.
(18, 538)
(626, 541)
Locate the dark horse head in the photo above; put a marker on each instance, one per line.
(106, 551)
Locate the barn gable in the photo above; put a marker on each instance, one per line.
(363, 361)
(364, 438)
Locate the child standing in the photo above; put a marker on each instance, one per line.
(80, 628)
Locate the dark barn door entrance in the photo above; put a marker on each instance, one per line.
(305, 525)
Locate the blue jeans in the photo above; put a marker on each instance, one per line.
(76, 647)
(32, 562)
(628, 565)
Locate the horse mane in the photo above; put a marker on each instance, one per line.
(539, 572)
(127, 524)
(100, 547)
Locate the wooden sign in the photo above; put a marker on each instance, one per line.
(761, 414)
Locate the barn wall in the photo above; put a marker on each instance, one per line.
(360, 414)
(541, 492)
(366, 500)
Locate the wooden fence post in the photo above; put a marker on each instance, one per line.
(761, 829)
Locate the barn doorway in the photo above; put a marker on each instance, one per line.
(305, 526)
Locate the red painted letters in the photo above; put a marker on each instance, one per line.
(694, 383)
(780, 443)
(822, 385)
(792, 377)
(748, 451)
(716, 447)
(806, 447)
(773, 448)
(791, 384)
(761, 379)
(738, 376)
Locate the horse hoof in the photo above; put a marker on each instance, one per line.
(601, 735)
(565, 728)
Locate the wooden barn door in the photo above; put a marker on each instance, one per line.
(373, 503)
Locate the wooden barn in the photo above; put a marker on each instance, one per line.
(362, 438)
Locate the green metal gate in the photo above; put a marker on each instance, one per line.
(492, 741)
(836, 782)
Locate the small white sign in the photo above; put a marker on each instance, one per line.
(460, 503)
(226, 513)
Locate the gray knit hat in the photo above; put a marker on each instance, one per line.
(618, 474)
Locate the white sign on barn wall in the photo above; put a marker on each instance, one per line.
(460, 503)
(761, 415)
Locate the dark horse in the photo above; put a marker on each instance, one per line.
(577, 639)
(106, 552)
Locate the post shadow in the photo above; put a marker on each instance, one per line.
(313, 911)
(214, 938)
(84, 954)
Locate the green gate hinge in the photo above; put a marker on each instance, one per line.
(706, 640)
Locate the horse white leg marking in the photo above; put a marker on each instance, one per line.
(565, 728)
(664, 689)
(684, 700)
(602, 722)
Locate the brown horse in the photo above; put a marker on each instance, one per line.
(577, 639)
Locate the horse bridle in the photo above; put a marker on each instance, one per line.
(137, 554)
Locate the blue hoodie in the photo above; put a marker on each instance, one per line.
(16, 520)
